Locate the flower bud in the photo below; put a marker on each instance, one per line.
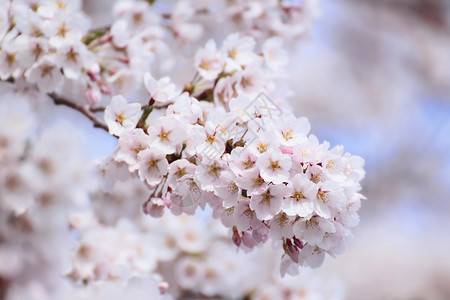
(236, 238)
(292, 251)
(163, 287)
(93, 96)
(154, 207)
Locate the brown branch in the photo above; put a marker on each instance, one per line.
(161, 106)
(84, 109)
(102, 108)
(97, 109)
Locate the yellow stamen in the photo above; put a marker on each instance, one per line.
(266, 197)
(274, 165)
(213, 170)
(298, 195)
(120, 118)
(152, 164)
(287, 133)
(164, 135)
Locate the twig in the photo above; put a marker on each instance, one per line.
(97, 109)
(102, 108)
(84, 109)
(161, 106)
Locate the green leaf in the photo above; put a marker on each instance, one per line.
(93, 35)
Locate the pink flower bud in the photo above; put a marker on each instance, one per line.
(167, 198)
(163, 287)
(298, 243)
(106, 38)
(286, 149)
(94, 69)
(94, 72)
(292, 251)
(236, 238)
(93, 96)
(154, 207)
(104, 88)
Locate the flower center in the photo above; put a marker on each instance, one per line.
(266, 197)
(287, 133)
(213, 170)
(210, 139)
(262, 146)
(191, 271)
(331, 164)
(60, 4)
(164, 135)
(137, 17)
(232, 187)
(282, 219)
(62, 30)
(233, 53)
(206, 64)
(249, 213)
(152, 164)
(10, 58)
(137, 149)
(257, 181)
(181, 172)
(298, 195)
(72, 56)
(193, 187)
(274, 165)
(247, 163)
(323, 196)
(312, 223)
(229, 211)
(120, 118)
(316, 178)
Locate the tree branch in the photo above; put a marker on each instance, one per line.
(97, 109)
(84, 109)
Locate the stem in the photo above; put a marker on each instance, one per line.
(162, 186)
(144, 116)
(97, 109)
(161, 106)
(84, 109)
(94, 35)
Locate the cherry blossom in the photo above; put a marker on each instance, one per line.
(152, 165)
(267, 204)
(274, 166)
(131, 143)
(167, 134)
(121, 115)
(302, 194)
(162, 90)
(209, 61)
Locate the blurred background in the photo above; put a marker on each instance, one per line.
(375, 77)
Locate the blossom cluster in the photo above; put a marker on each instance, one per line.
(287, 19)
(192, 255)
(41, 42)
(260, 18)
(255, 164)
(51, 45)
